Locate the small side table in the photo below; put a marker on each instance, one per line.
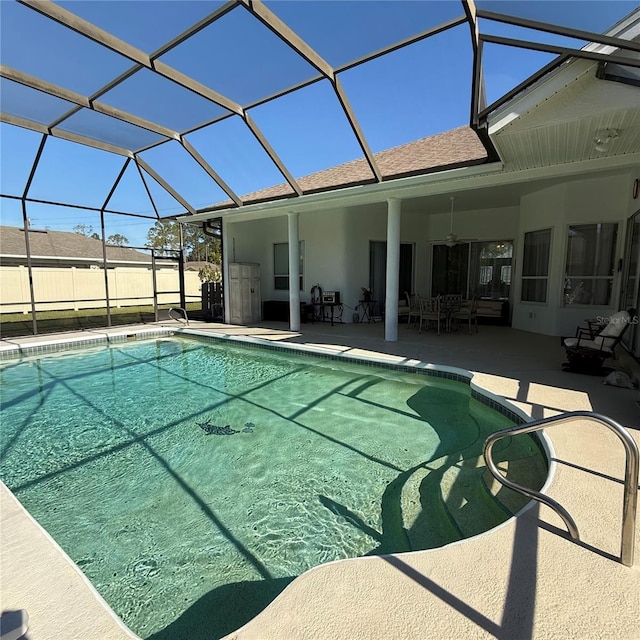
(335, 310)
(368, 310)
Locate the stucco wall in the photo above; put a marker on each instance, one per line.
(325, 255)
(582, 201)
(337, 244)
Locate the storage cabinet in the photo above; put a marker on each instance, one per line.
(244, 293)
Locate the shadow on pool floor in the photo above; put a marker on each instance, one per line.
(223, 610)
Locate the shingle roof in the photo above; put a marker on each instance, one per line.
(453, 148)
(62, 244)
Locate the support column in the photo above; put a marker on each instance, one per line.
(181, 284)
(393, 270)
(227, 241)
(294, 271)
(105, 270)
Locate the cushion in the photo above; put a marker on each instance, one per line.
(597, 344)
(615, 326)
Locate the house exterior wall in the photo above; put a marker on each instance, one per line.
(589, 200)
(325, 240)
(486, 225)
(337, 244)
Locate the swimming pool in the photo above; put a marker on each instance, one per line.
(191, 482)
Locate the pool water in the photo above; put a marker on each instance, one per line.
(191, 482)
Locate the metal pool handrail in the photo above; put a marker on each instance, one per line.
(184, 313)
(630, 503)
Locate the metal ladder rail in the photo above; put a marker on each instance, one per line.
(630, 503)
(184, 313)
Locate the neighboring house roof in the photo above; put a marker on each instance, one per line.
(450, 149)
(60, 245)
(196, 265)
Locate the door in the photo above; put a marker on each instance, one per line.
(244, 293)
(449, 274)
(378, 271)
(235, 294)
(255, 296)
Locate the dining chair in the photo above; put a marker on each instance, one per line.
(430, 309)
(468, 312)
(414, 307)
(450, 304)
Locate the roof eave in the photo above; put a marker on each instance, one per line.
(564, 74)
(349, 196)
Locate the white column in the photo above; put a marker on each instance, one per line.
(393, 269)
(294, 271)
(228, 243)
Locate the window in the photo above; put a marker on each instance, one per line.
(590, 266)
(281, 265)
(486, 274)
(535, 265)
(480, 269)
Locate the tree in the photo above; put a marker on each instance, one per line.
(117, 239)
(165, 234)
(86, 230)
(209, 273)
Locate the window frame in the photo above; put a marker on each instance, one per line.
(610, 278)
(530, 278)
(281, 278)
(471, 288)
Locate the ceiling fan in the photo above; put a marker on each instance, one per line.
(451, 238)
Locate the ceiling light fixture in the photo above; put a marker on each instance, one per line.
(604, 138)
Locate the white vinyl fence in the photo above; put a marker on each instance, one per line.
(60, 288)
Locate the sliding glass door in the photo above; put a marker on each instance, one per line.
(378, 270)
(631, 285)
(450, 273)
(480, 269)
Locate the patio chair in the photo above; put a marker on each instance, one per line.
(430, 309)
(413, 305)
(587, 353)
(404, 310)
(468, 312)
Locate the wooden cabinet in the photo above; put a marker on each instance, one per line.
(244, 293)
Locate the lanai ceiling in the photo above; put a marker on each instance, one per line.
(197, 103)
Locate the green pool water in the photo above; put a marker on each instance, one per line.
(192, 482)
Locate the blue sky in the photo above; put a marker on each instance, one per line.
(414, 92)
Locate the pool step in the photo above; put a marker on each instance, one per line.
(449, 499)
(474, 509)
(523, 467)
(524, 471)
(427, 520)
(441, 505)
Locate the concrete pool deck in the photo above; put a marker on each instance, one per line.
(525, 579)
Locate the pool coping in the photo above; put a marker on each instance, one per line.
(13, 350)
(59, 551)
(398, 363)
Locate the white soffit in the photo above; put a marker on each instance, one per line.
(558, 119)
(563, 128)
